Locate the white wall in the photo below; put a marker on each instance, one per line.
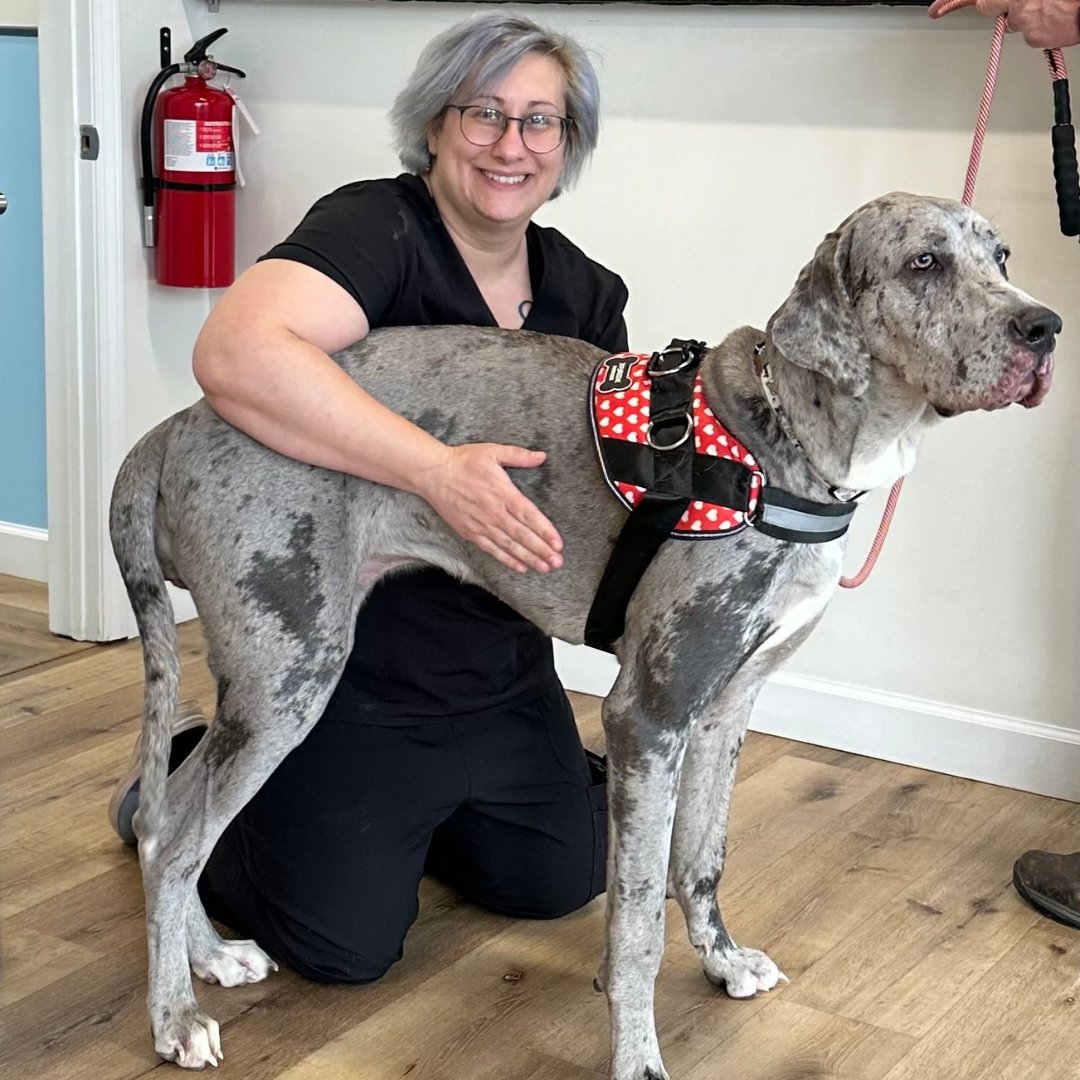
(733, 140)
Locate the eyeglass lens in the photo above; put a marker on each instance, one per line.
(484, 126)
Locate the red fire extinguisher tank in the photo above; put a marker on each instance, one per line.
(196, 186)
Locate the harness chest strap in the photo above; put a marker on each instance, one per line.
(682, 475)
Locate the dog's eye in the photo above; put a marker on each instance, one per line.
(1001, 256)
(926, 261)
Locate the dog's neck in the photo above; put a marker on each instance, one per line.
(818, 439)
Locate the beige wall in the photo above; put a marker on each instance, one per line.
(18, 13)
(733, 140)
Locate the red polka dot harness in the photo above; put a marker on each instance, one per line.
(621, 404)
(645, 410)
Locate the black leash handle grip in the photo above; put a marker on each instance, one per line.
(1066, 174)
(1066, 178)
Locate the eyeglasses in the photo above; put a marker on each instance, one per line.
(484, 126)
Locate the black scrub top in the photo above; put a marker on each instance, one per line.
(427, 646)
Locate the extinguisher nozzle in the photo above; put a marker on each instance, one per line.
(148, 226)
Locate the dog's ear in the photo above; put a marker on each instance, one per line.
(815, 327)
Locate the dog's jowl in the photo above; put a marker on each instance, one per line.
(904, 316)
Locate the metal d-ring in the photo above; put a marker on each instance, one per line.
(658, 373)
(671, 446)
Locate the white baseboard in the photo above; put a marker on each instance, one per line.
(24, 552)
(1002, 750)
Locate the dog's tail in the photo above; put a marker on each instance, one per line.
(131, 525)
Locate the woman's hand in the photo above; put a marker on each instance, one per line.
(471, 492)
(1044, 24)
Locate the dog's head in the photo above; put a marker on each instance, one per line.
(919, 284)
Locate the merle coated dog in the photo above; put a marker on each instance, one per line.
(905, 315)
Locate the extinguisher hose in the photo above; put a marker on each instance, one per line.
(149, 183)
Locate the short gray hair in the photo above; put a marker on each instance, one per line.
(477, 54)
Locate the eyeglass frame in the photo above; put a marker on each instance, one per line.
(565, 122)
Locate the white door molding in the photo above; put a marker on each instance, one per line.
(79, 42)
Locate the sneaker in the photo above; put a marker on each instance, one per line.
(189, 726)
(1050, 883)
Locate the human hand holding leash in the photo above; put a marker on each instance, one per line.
(1044, 24)
(471, 492)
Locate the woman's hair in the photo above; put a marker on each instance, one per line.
(473, 57)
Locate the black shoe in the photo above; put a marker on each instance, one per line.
(189, 726)
(597, 766)
(1050, 883)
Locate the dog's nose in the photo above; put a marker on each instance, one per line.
(1036, 328)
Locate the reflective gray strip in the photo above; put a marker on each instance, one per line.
(782, 518)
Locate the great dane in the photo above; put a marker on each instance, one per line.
(905, 315)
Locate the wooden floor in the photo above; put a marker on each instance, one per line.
(882, 891)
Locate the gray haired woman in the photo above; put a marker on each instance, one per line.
(449, 744)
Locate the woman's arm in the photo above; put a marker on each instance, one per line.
(262, 360)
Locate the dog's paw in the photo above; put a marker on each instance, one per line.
(742, 972)
(190, 1038)
(233, 963)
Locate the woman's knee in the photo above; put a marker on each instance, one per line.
(339, 966)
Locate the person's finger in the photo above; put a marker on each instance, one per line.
(517, 457)
(540, 551)
(531, 528)
(992, 7)
(490, 547)
(514, 548)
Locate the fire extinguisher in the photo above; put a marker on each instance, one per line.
(189, 129)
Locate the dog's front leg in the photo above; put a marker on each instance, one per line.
(645, 751)
(699, 843)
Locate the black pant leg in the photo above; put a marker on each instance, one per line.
(531, 841)
(322, 868)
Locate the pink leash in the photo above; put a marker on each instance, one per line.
(1057, 71)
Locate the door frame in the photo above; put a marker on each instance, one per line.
(84, 275)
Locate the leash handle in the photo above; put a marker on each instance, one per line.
(1063, 139)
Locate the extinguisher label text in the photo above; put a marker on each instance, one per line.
(198, 146)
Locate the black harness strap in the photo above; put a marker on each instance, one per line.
(669, 459)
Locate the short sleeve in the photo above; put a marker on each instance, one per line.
(363, 237)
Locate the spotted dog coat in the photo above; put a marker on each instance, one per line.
(904, 315)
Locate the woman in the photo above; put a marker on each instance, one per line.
(449, 742)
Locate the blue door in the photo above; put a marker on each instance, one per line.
(22, 335)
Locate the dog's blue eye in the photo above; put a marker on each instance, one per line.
(925, 261)
(1001, 256)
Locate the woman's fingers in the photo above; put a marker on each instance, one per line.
(479, 501)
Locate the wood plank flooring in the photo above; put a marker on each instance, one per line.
(883, 892)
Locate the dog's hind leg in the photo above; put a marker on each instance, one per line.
(270, 693)
(646, 738)
(699, 842)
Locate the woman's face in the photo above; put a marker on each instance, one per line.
(506, 182)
